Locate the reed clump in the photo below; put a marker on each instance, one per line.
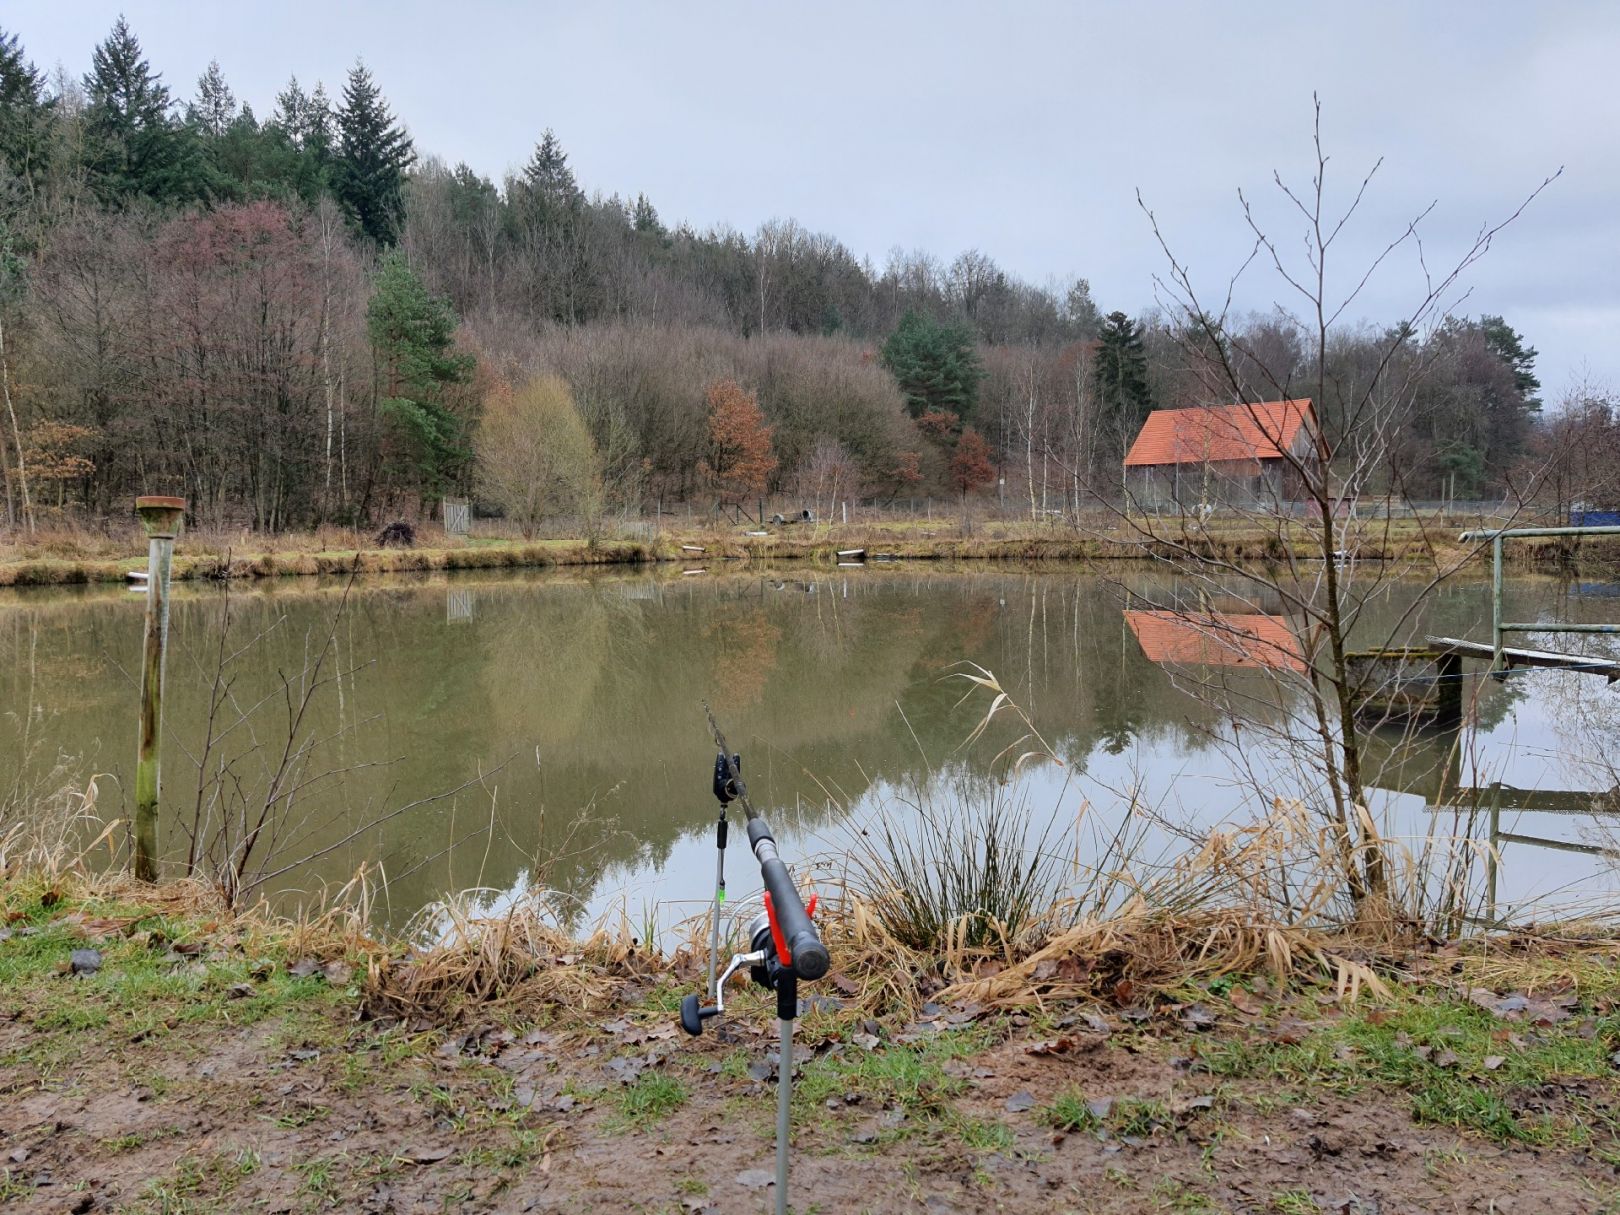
(518, 959)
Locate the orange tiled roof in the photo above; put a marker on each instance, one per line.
(1201, 434)
(1217, 639)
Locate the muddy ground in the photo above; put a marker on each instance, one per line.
(120, 1095)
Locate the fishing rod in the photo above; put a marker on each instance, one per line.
(783, 945)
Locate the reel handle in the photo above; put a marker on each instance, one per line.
(694, 1014)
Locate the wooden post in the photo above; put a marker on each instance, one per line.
(1449, 677)
(161, 518)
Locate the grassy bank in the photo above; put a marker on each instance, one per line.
(65, 558)
(203, 1060)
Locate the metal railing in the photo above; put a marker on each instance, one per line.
(1498, 625)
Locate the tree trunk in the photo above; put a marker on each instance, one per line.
(16, 435)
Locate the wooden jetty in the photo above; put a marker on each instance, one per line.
(1457, 649)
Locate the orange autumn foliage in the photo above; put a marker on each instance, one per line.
(970, 466)
(740, 462)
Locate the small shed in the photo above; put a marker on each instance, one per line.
(1222, 455)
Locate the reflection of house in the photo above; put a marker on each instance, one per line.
(1237, 455)
(1216, 639)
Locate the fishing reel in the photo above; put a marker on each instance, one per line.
(769, 963)
(761, 962)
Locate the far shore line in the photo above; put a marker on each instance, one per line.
(46, 564)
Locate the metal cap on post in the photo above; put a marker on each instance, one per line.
(161, 517)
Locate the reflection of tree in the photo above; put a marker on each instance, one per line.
(543, 661)
(747, 641)
(839, 682)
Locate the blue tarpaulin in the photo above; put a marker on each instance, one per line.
(1594, 518)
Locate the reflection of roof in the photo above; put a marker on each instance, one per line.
(1217, 639)
(1207, 434)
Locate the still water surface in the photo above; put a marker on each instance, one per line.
(564, 708)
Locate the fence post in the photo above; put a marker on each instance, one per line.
(161, 518)
(1496, 602)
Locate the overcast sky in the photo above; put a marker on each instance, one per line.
(1020, 129)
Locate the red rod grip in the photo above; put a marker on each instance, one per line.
(782, 954)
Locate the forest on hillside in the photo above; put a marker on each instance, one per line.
(303, 318)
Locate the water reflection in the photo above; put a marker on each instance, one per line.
(567, 705)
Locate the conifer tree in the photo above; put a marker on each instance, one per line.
(413, 333)
(548, 176)
(373, 154)
(214, 109)
(644, 217)
(25, 114)
(936, 366)
(1121, 378)
(132, 146)
(1508, 344)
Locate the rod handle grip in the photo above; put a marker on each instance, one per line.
(809, 956)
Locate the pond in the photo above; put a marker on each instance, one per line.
(490, 730)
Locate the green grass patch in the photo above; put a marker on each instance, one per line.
(912, 1078)
(1457, 1063)
(654, 1095)
(1127, 1117)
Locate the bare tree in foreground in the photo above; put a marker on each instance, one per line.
(1315, 515)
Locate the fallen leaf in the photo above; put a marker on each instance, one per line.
(427, 1155)
(755, 1179)
(1492, 1062)
(1021, 1102)
(1197, 1018)
(1052, 1046)
(1245, 1003)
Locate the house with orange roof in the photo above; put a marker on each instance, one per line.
(1222, 455)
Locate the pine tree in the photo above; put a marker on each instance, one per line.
(548, 176)
(306, 118)
(1508, 345)
(315, 135)
(373, 155)
(214, 109)
(644, 217)
(132, 146)
(936, 366)
(1080, 312)
(25, 114)
(291, 104)
(1121, 377)
(303, 122)
(413, 333)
